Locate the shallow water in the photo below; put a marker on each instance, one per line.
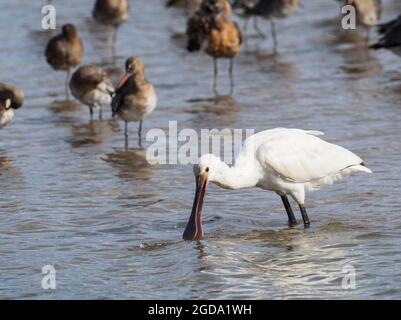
(111, 224)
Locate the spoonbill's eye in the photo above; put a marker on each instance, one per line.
(207, 169)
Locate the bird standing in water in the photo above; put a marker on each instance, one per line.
(65, 51)
(135, 97)
(111, 13)
(273, 10)
(286, 161)
(11, 98)
(212, 25)
(242, 8)
(91, 85)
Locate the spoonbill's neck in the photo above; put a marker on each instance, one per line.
(234, 177)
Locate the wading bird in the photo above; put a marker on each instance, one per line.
(212, 24)
(273, 10)
(243, 8)
(65, 51)
(91, 86)
(11, 98)
(135, 97)
(390, 36)
(286, 161)
(111, 13)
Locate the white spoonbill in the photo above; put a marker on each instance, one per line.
(286, 161)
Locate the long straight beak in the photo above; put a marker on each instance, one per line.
(123, 80)
(193, 230)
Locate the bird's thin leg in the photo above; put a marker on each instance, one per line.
(113, 48)
(290, 213)
(140, 133)
(367, 35)
(304, 215)
(256, 26)
(245, 27)
(231, 76)
(91, 112)
(126, 134)
(215, 76)
(274, 35)
(115, 31)
(100, 112)
(67, 92)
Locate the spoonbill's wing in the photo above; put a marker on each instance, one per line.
(297, 156)
(253, 143)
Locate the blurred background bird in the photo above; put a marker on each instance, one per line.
(273, 10)
(111, 13)
(211, 28)
(135, 97)
(11, 98)
(91, 86)
(243, 9)
(390, 36)
(65, 51)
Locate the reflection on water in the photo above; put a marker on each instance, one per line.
(112, 223)
(93, 132)
(6, 163)
(359, 60)
(131, 163)
(65, 110)
(220, 105)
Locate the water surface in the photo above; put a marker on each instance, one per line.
(111, 224)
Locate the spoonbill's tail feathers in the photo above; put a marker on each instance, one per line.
(362, 168)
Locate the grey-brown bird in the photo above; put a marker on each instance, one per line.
(91, 86)
(211, 28)
(65, 51)
(11, 98)
(190, 6)
(273, 10)
(112, 13)
(242, 8)
(135, 97)
(390, 36)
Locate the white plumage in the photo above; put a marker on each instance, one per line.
(6, 117)
(286, 161)
(290, 161)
